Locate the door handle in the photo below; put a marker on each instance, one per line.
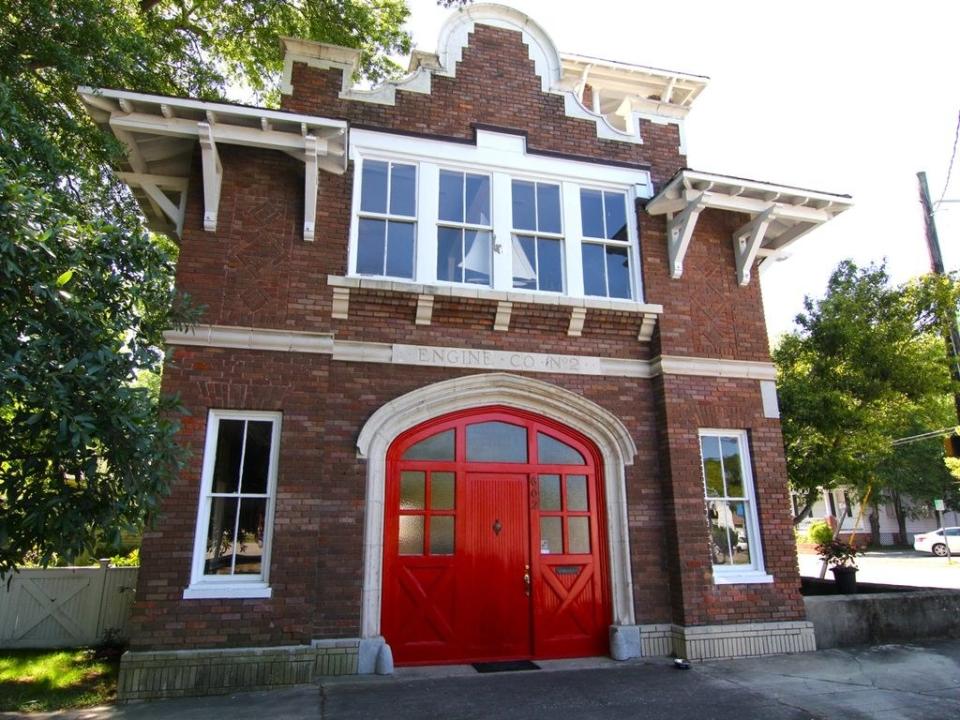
(526, 579)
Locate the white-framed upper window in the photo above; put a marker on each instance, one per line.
(386, 229)
(606, 244)
(731, 505)
(492, 215)
(464, 229)
(537, 237)
(231, 555)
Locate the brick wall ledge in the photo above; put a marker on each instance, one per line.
(363, 283)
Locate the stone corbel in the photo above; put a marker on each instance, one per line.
(680, 229)
(340, 309)
(747, 240)
(502, 321)
(424, 310)
(577, 317)
(212, 176)
(647, 326)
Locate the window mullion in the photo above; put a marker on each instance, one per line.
(428, 212)
(573, 227)
(502, 220)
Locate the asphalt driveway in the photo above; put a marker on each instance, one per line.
(920, 682)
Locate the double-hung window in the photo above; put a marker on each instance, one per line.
(231, 555)
(734, 542)
(464, 228)
(606, 244)
(387, 222)
(493, 215)
(537, 236)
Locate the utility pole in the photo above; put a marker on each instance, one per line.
(936, 264)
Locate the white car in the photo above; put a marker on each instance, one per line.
(935, 541)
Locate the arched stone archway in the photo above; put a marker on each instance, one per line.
(617, 450)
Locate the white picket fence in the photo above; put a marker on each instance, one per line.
(65, 607)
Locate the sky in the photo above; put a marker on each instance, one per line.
(845, 96)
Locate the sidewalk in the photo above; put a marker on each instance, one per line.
(920, 682)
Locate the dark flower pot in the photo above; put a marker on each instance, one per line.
(845, 579)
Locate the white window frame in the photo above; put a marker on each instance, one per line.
(232, 586)
(463, 227)
(504, 158)
(387, 217)
(738, 574)
(539, 234)
(604, 242)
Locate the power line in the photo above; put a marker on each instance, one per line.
(924, 436)
(953, 156)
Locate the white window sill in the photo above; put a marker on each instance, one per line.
(749, 577)
(483, 293)
(203, 591)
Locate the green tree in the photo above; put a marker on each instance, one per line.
(85, 292)
(864, 363)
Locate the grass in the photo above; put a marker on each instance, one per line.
(45, 680)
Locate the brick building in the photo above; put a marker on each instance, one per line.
(482, 373)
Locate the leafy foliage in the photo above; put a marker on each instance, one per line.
(85, 292)
(865, 367)
(838, 553)
(820, 532)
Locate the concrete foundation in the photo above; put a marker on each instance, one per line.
(846, 620)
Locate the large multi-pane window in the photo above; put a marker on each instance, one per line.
(232, 550)
(606, 244)
(537, 236)
(734, 542)
(387, 222)
(493, 216)
(464, 229)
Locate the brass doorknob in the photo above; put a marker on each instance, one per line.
(526, 580)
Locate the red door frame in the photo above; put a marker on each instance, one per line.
(425, 609)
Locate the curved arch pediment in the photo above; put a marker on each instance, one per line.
(593, 420)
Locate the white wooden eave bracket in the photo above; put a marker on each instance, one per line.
(680, 229)
(747, 240)
(212, 176)
(153, 186)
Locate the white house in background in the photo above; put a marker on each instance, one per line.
(834, 502)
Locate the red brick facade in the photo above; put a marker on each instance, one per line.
(256, 271)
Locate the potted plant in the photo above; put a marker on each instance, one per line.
(841, 556)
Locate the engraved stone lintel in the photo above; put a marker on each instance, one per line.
(496, 360)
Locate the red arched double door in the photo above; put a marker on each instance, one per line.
(494, 541)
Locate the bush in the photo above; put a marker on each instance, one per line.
(819, 533)
(132, 559)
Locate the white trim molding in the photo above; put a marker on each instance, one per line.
(248, 338)
(603, 428)
(160, 132)
(779, 215)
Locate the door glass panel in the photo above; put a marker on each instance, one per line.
(441, 535)
(578, 534)
(435, 447)
(226, 470)
(411, 490)
(551, 451)
(441, 490)
(496, 442)
(577, 492)
(549, 492)
(411, 535)
(551, 536)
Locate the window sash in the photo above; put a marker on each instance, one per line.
(200, 580)
(751, 525)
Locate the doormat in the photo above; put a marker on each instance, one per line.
(506, 666)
